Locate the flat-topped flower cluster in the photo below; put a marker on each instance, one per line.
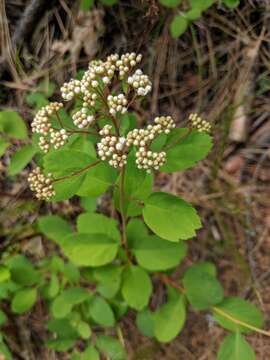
(95, 99)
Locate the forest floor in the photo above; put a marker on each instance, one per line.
(219, 68)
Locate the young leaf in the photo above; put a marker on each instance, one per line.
(13, 125)
(63, 328)
(170, 3)
(137, 287)
(60, 345)
(235, 347)
(20, 159)
(186, 152)
(178, 26)
(170, 217)
(201, 4)
(109, 280)
(84, 330)
(101, 312)
(110, 347)
(239, 309)
(22, 271)
(23, 300)
(145, 322)
(152, 252)
(90, 249)
(4, 144)
(202, 289)
(231, 3)
(4, 273)
(92, 223)
(54, 227)
(169, 319)
(63, 303)
(90, 353)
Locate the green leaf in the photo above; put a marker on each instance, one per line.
(178, 26)
(13, 125)
(109, 2)
(20, 159)
(239, 309)
(53, 287)
(235, 347)
(90, 249)
(90, 353)
(169, 319)
(67, 188)
(23, 300)
(22, 271)
(84, 330)
(89, 203)
(201, 4)
(82, 144)
(109, 280)
(170, 3)
(137, 287)
(101, 312)
(86, 5)
(170, 217)
(63, 303)
(97, 180)
(187, 151)
(111, 347)
(92, 223)
(5, 351)
(4, 273)
(66, 162)
(3, 318)
(202, 289)
(61, 307)
(152, 252)
(71, 273)
(62, 327)
(145, 322)
(231, 3)
(4, 144)
(193, 14)
(54, 227)
(61, 345)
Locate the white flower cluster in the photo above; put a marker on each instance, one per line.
(147, 160)
(117, 104)
(82, 119)
(127, 62)
(69, 89)
(42, 125)
(140, 82)
(41, 184)
(199, 124)
(112, 148)
(41, 122)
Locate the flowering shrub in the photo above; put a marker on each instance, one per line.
(112, 264)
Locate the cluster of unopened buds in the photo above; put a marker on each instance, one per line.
(41, 125)
(199, 124)
(140, 82)
(112, 148)
(117, 104)
(41, 184)
(82, 119)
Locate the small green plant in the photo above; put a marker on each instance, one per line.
(191, 10)
(111, 261)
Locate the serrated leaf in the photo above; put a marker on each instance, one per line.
(235, 347)
(178, 26)
(12, 124)
(170, 217)
(152, 252)
(92, 223)
(202, 289)
(20, 159)
(169, 319)
(23, 300)
(54, 227)
(238, 309)
(90, 249)
(136, 287)
(186, 152)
